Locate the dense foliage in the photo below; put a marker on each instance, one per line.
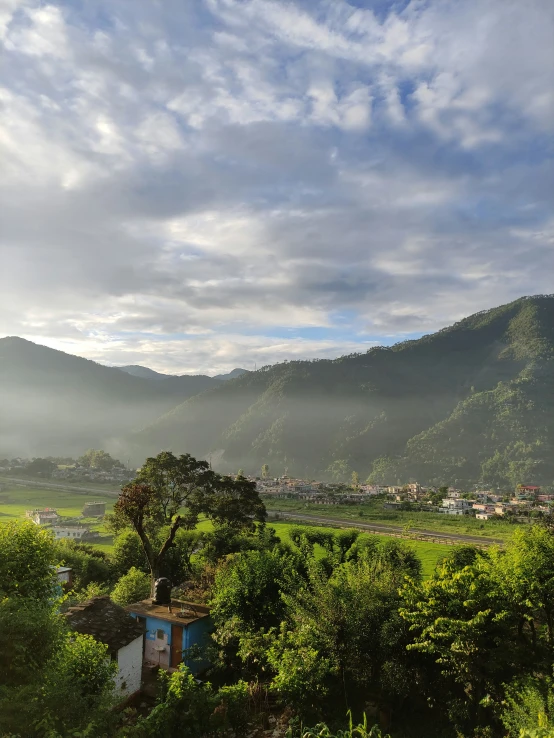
(330, 624)
(52, 683)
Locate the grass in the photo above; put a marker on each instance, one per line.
(14, 500)
(374, 513)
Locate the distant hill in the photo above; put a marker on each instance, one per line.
(146, 373)
(142, 371)
(52, 402)
(471, 403)
(233, 374)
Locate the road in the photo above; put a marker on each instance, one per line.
(378, 528)
(63, 487)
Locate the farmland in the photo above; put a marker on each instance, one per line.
(375, 513)
(14, 500)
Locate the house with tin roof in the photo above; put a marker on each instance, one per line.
(110, 624)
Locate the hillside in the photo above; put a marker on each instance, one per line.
(471, 402)
(55, 403)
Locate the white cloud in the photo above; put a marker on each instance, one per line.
(181, 183)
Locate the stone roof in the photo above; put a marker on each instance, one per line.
(105, 621)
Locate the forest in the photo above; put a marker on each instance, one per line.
(328, 629)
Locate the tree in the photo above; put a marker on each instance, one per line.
(240, 473)
(28, 557)
(41, 467)
(78, 685)
(465, 631)
(248, 588)
(98, 459)
(51, 683)
(171, 492)
(340, 634)
(131, 587)
(355, 480)
(524, 572)
(265, 471)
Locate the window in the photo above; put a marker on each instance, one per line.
(160, 635)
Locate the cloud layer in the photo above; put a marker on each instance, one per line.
(200, 185)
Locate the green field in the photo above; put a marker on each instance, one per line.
(374, 513)
(15, 500)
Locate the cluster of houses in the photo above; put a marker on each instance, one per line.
(483, 504)
(71, 472)
(76, 473)
(69, 528)
(323, 493)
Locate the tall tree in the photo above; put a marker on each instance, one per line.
(170, 493)
(265, 471)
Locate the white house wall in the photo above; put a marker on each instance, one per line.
(129, 663)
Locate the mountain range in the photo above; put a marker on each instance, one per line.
(143, 371)
(472, 403)
(51, 401)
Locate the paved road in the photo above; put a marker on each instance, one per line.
(63, 487)
(378, 528)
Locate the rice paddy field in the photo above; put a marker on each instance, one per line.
(15, 500)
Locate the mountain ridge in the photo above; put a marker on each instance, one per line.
(137, 370)
(368, 412)
(51, 400)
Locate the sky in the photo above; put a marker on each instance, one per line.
(195, 186)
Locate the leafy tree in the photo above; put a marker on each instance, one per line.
(171, 492)
(28, 557)
(355, 480)
(89, 564)
(77, 689)
(463, 625)
(98, 459)
(341, 632)
(128, 552)
(131, 587)
(525, 575)
(41, 467)
(265, 471)
(51, 683)
(248, 588)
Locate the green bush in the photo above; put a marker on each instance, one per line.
(131, 587)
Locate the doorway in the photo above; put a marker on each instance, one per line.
(176, 645)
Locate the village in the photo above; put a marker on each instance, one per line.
(482, 504)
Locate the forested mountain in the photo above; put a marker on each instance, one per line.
(472, 402)
(52, 402)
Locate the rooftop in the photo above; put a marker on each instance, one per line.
(183, 613)
(105, 621)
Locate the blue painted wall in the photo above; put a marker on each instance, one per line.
(195, 633)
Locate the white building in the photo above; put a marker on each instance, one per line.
(111, 624)
(456, 506)
(43, 517)
(75, 532)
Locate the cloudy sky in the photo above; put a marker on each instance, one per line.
(199, 184)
